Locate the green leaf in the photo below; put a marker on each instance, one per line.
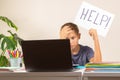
(11, 44)
(1, 36)
(3, 45)
(1, 39)
(3, 61)
(8, 43)
(9, 22)
(15, 37)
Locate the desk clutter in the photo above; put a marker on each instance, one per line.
(15, 58)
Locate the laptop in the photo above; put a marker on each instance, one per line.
(47, 55)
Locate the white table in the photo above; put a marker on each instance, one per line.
(92, 75)
(101, 75)
(40, 75)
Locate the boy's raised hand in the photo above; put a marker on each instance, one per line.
(93, 33)
(65, 31)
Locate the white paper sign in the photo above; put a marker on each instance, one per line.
(90, 16)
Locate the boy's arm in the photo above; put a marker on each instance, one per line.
(97, 51)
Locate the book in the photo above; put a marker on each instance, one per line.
(113, 70)
(103, 65)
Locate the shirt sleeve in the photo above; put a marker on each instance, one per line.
(90, 53)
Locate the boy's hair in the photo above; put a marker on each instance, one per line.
(73, 26)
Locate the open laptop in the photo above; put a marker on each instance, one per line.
(47, 55)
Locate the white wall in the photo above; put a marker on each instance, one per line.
(42, 19)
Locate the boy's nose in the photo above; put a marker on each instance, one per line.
(71, 42)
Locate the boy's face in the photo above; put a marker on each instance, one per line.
(74, 39)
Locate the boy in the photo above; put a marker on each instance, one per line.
(80, 54)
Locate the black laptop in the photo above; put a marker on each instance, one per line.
(47, 55)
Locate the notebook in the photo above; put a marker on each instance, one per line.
(47, 55)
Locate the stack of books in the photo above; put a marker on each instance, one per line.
(103, 67)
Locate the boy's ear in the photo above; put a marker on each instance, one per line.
(79, 35)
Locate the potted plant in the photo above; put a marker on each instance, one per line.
(8, 42)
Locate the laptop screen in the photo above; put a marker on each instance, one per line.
(47, 55)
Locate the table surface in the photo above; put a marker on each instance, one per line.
(82, 72)
(23, 72)
(103, 72)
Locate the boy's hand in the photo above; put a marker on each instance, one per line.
(93, 33)
(65, 32)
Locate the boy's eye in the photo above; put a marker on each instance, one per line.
(72, 37)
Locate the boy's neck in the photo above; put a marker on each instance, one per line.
(76, 50)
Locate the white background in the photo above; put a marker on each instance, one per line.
(42, 19)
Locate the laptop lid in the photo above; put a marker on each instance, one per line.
(47, 55)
